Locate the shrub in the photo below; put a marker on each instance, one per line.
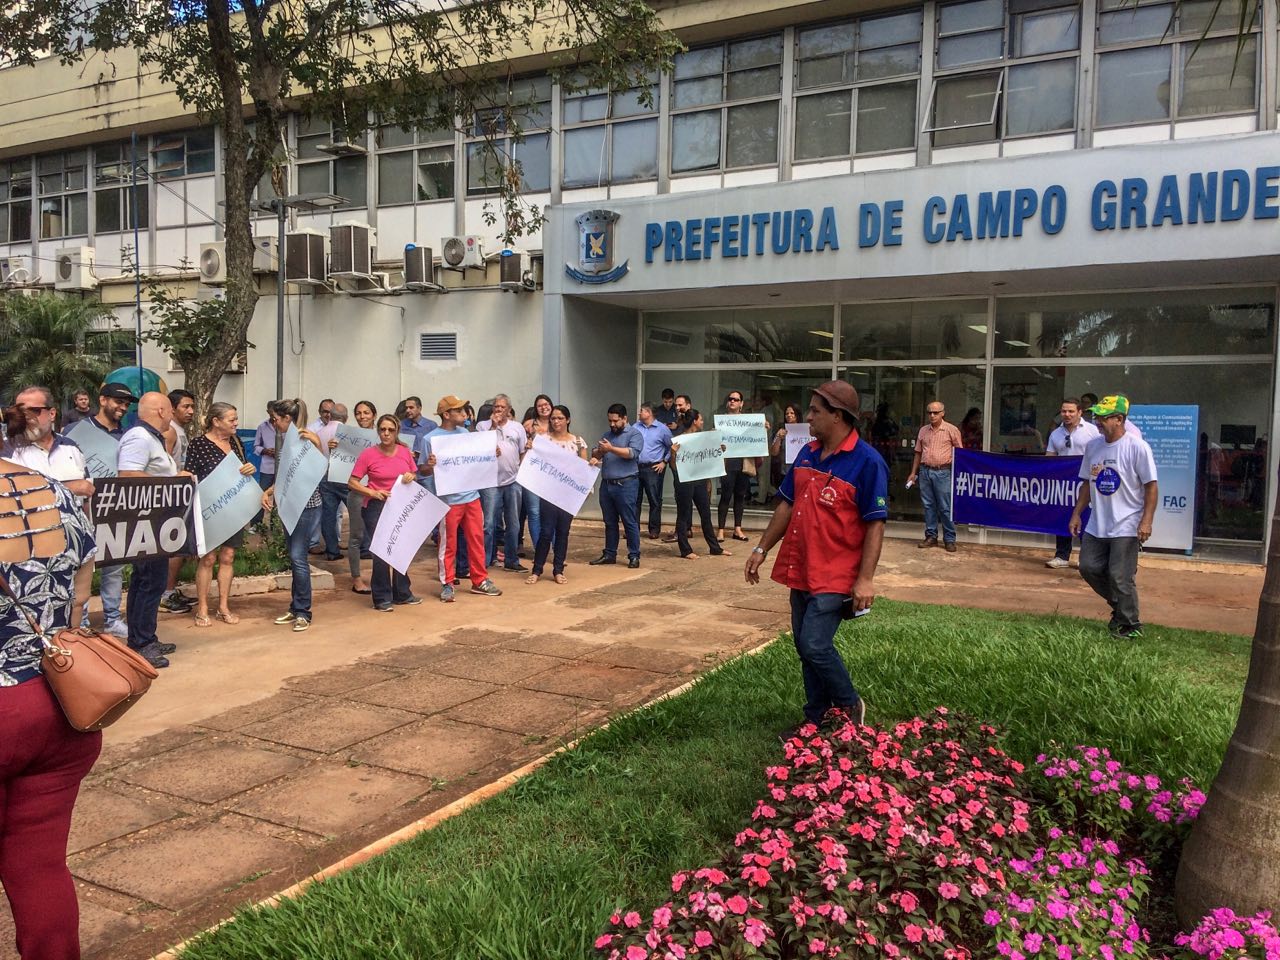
(1224, 935)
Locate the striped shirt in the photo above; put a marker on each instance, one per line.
(935, 444)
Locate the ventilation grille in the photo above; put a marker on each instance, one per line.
(438, 346)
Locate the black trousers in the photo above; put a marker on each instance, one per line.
(690, 495)
(555, 526)
(733, 485)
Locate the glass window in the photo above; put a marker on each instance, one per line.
(753, 135)
(393, 136)
(64, 204)
(914, 330)
(1189, 323)
(1133, 86)
(484, 167)
(695, 141)
(15, 202)
(1234, 412)
(584, 106)
(964, 108)
(748, 335)
(1047, 31)
(349, 180)
(182, 154)
(1041, 97)
(534, 156)
(1219, 76)
(823, 125)
(1135, 23)
(635, 150)
(824, 55)
(585, 159)
(886, 118)
(971, 32)
(1198, 17)
(313, 178)
(395, 178)
(435, 173)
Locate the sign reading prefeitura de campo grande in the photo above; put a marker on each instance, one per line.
(1163, 202)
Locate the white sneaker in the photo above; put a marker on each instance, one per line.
(1057, 563)
(117, 628)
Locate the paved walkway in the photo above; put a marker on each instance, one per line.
(264, 755)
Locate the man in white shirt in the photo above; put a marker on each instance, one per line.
(1120, 474)
(503, 501)
(1069, 440)
(143, 454)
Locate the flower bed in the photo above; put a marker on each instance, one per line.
(926, 840)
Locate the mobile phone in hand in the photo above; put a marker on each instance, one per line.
(848, 613)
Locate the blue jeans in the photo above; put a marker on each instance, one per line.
(651, 482)
(388, 584)
(935, 494)
(111, 590)
(265, 480)
(146, 587)
(299, 543)
(618, 502)
(814, 619)
(332, 497)
(501, 504)
(533, 515)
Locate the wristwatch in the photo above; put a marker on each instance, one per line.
(759, 550)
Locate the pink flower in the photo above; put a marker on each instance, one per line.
(817, 946)
(913, 933)
(908, 902)
(737, 904)
(604, 941)
(755, 932)
(662, 917)
(702, 939)
(636, 953)
(948, 891)
(631, 920)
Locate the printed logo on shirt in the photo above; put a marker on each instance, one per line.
(828, 496)
(1107, 481)
(880, 501)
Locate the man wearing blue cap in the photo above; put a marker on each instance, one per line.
(1120, 484)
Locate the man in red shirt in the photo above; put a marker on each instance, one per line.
(830, 517)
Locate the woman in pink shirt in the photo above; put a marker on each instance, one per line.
(381, 467)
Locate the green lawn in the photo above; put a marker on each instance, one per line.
(534, 872)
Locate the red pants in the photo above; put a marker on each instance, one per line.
(42, 761)
(470, 518)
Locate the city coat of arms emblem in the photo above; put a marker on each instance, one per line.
(595, 249)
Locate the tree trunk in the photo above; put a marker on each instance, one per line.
(1232, 858)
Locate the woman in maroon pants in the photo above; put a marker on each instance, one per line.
(46, 555)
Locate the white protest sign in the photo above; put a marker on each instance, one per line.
(553, 473)
(407, 439)
(743, 434)
(99, 449)
(299, 472)
(228, 501)
(352, 441)
(409, 514)
(465, 461)
(797, 436)
(700, 456)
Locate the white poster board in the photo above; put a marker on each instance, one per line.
(409, 514)
(464, 461)
(352, 441)
(99, 448)
(743, 434)
(228, 500)
(700, 456)
(553, 473)
(797, 436)
(299, 472)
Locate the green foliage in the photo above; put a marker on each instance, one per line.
(42, 342)
(535, 871)
(187, 329)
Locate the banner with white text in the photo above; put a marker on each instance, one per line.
(352, 441)
(553, 473)
(1035, 494)
(743, 434)
(464, 461)
(409, 514)
(699, 456)
(229, 499)
(99, 448)
(144, 518)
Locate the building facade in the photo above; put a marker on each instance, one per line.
(995, 203)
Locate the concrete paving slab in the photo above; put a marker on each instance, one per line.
(696, 639)
(102, 814)
(559, 645)
(116, 753)
(257, 711)
(492, 665)
(339, 680)
(645, 658)
(100, 924)
(327, 725)
(437, 748)
(186, 772)
(176, 867)
(329, 799)
(413, 656)
(524, 711)
(423, 692)
(594, 681)
(479, 637)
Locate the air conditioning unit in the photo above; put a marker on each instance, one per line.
(304, 258)
(516, 274)
(213, 262)
(351, 250)
(459, 253)
(418, 266)
(266, 255)
(206, 292)
(16, 271)
(74, 270)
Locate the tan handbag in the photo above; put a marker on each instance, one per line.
(94, 677)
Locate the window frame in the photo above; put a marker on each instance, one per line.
(182, 140)
(123, 188)
(609, 122)
(64, 195)
(300, 162)
(855, 84)
(504, 145)
(725, 104)
(419, 141)
(20, 170)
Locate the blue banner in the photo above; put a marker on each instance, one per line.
(1036, 494)
(1172, 433)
